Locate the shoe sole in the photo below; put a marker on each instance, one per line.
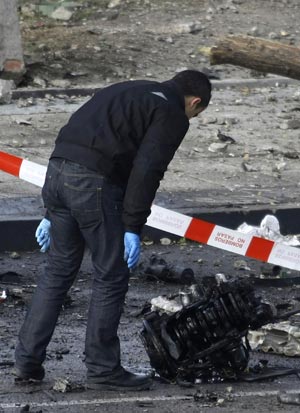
(25, 377)
(111, 387)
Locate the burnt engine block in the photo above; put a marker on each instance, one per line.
(208, 335)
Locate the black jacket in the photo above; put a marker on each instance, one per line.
(128, 132)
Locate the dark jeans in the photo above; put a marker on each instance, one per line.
(84, 209)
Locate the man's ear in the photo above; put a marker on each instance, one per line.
(195, 101)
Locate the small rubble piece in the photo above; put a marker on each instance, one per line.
(165, 241)
(162, 303)
(63, 385)
(190, 27)
(159, 269)
(225, 138)
(208, 397)
(62, 13)
(248, 167)
(176, 303)
(270, 229)
(218, 147)
(114, 3)
(291, 124)
(279, 166)
(279, 338)
(6, 87)
(3, 296)
(211, 399)
(62, 10)
(14, 255)
(289, 398)
(241, 265)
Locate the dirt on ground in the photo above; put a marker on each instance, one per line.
(107, 41)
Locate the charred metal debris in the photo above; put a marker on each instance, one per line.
(158, 269)
(204, 337)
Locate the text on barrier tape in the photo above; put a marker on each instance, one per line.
(181, 225)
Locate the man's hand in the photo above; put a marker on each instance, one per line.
(132, 249)
(42, 234)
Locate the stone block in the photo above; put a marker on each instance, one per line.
(6, 87)
(11, 53)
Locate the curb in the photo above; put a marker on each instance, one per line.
(25, 213)
(25, 93)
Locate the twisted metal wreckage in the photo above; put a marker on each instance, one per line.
(207, 338)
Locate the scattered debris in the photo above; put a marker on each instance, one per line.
(248, 167)
(225, 138)
(190, 27)
(23, 122)
(270, 229)
(165, 241)
(145, 403)
(261, 372)
(114, 3)
(288, 398)
(291, 155)
(209, 398)
(279, 278)
(63, 385)
(218, 147)
(279, 166)
(290, 124)
(241, 265)
(279, 338)
(159, 269)
(62, 13)
(3, 296)
(14, 255)
(6, 87)
(162, 303)
(59, 353)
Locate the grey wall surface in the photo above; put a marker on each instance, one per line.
(11, 54)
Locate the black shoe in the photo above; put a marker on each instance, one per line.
(31, 375)
(126, 381)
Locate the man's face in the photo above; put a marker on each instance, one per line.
(196, 111)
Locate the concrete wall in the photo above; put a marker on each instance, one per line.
(11, 53)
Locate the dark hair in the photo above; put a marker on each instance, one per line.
(194, 83)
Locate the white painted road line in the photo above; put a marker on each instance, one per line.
(120, 400)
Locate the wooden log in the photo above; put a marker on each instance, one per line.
(257, 54)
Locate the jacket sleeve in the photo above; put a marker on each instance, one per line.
(158, 147)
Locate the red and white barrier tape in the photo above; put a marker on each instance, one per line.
(182, 225)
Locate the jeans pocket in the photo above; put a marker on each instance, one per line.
(83, 196)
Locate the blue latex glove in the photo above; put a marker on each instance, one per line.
(42, 234)
(132, 249)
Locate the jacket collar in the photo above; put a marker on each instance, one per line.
(171, 85)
